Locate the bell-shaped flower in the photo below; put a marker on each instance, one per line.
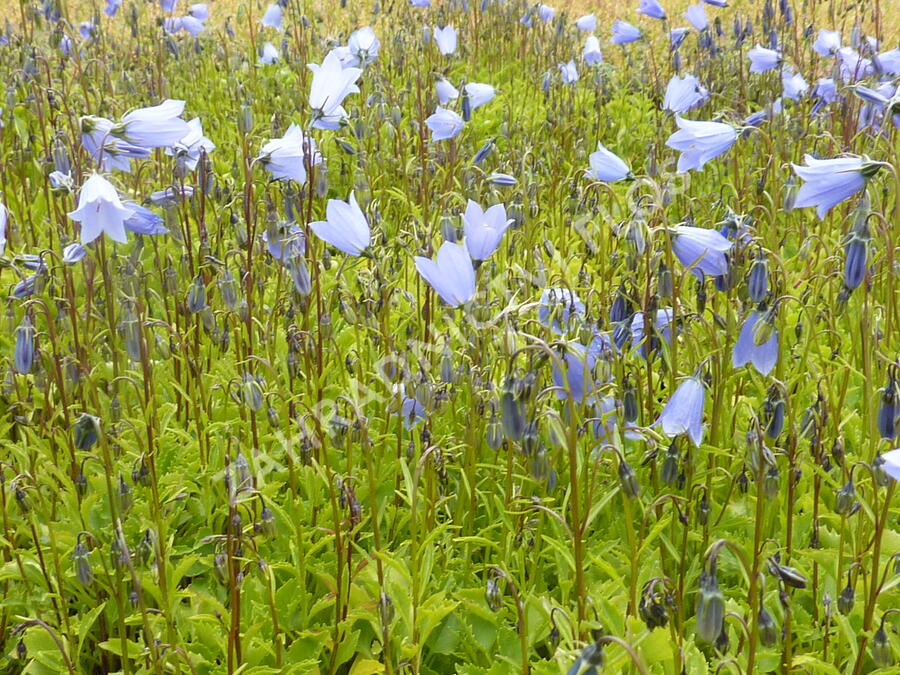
(623, 33)
(684, 93)
(187, 151)
(573, 373)
(757, 343)
(591, 52)
(363, 45)
(546, 13)
(112, 7)
(108, 151)
(271, 18)
(559, 309)
(684, 411)
(677, 36)
(451, 275)
(100, 211)
(824, 92)
(827, 43)
(168, 5)
(853, 67)
(445, 39)
(444, 124)
(172, 25)
(890, 463)
(763, 59)
(828, 182)
(484, 229)
(331, 84)
(159, 126)
(793, 84)
(420, 3)
(192, 25)
(286, 158)
(269, 55)
(284, 242)
(479, 94)
(569, 72)
(662, 324)
(701, 249)
(607, 166)
(696, 16)
(144, 221)
(199, 11)
(345, 226)
(586, 23)
(700, 142)
(888, 62)
(651, 8)
(86, 29)
(445, 91)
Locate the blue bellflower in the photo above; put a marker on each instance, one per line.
(746, 350)
(331, 84)
(445, 39)
(607, 166)
(345, 226)
(587, 23)
(444, 124)
(484, 229)
(700, 142)
(702, 250)
(100, 211)
(591, 53)
(763, 59)
(623, 33)
(828, 182)
(684, 93)
(684, 411)
(696, 16)
(651, 8)
(561, 305)
(451, 275)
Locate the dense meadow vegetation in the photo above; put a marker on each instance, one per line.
(453, 337)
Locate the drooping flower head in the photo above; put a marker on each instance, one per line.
(684, 411)
(445, 91)
(484, 229)
(159, 126)
(187, 151)
(451, 274)
(286, 158)
(271, 18)
(684, 93)
(444, 124)
(269, 55)
(828, 182)
(569, 72)
(607, 166)
(623, 33)
(827, 43)
(445, 39)
(696, 16)
(100, 211)
(763, 59)
(586, 23)
(591, 52)
(757, 343)
(363, 45)
(651, 8)
(700, 142)
(345, 227)
(702, 250)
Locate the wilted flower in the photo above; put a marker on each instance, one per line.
(828, 182)
(623, 33)
(484, 229)
(444, 124)
(703, 250)
(684, 411)
(700, 142)
(100, 211)
(607, 166)
(345, 226)
(451, 275)
(445, 39)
